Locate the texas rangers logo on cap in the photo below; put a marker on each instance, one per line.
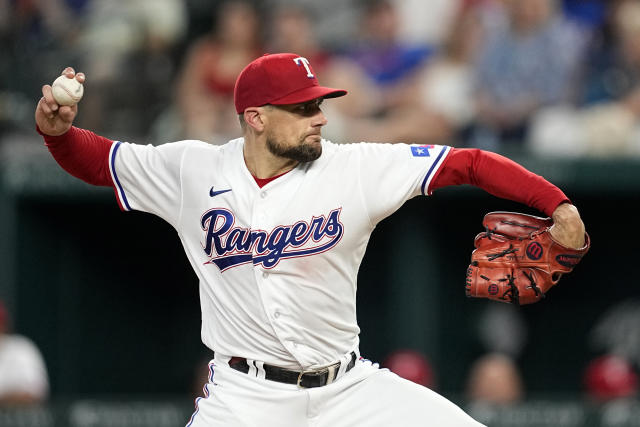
(305, 62)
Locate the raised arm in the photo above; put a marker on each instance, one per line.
(80, 152)
(53, 119)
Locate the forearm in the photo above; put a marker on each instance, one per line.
(507, 179)
(499, 176)
(82, 154)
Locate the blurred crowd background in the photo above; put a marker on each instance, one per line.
(556, 77)
(545, 78)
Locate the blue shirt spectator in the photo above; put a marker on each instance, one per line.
(528, 63)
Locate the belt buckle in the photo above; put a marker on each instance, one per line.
(313, 373)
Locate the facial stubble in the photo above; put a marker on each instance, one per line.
(301, 152)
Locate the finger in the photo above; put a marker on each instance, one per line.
(80, 77)
(67, 113)
(69, 72)
(48, 98)
(46, 109)
(42, 106)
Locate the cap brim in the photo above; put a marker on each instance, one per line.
(309, 93)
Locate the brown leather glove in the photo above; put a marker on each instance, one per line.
(516, 260)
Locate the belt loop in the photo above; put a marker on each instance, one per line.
(333, 373)
(344, 361)
(253, 370)
(261, 373)
(220, 359)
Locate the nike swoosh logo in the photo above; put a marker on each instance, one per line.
(214, 193)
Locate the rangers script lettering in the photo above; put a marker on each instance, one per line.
(236, 246)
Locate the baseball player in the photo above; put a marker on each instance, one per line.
(275, 225)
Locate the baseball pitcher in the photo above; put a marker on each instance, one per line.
(275, 225)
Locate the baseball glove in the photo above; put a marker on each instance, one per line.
(516, 260)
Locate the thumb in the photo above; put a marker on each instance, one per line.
(570, 237)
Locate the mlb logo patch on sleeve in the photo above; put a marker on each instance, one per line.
(420, 150)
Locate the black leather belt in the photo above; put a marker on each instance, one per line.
(304, 379)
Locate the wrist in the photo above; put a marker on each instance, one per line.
(52, 135)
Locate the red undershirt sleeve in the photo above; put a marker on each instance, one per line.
(499, 176)
(82, 154)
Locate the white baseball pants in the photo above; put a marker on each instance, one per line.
(366, 396)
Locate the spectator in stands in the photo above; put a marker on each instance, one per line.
(292, 29)
(612, 69)
(206, 81)
(615, 339)
(445, 86)
(495, 378)
(23, 375)
(617, 331)
(382, 56)
(608, 377)
(41, 24)
(36, 30)
(121, 38)
(525, 65)
(427, 21)
(590, 13)
(334, 21)
(606, 119)
(380, 71)
(411, 365)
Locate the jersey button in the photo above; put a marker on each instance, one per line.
(265, 274)
(276, 314)
(263, 194)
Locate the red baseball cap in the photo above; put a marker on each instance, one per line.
(278, 79)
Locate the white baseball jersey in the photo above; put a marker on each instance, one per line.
(277, 265)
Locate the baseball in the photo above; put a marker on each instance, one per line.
(67, 91)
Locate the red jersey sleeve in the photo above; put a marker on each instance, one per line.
(499, 176)
(82, 154)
